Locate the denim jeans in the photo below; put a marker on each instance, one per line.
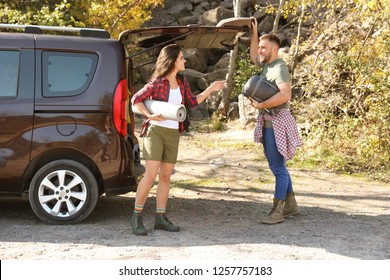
(277, 165)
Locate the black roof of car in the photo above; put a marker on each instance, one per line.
(40, 29)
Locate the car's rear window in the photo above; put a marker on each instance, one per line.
(9, 73)
(67, 74)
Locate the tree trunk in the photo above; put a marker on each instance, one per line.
(277, 17)
(295, 57)
(226, 93)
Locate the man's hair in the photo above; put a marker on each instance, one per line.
(272, 38)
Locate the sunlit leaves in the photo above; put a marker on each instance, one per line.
(113, 15)
(117, 16)
(349, 71)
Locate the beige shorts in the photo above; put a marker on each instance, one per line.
(161, 144)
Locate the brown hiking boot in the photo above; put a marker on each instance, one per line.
(161, 222)
(137, 224)
(276, 214)
(291, 206)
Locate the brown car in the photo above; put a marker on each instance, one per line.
(66, 133)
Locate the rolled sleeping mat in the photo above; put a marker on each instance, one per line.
(259, 88)
(175, 112)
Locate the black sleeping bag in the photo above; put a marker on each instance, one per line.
(259, 88)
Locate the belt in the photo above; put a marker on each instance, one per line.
(275, 110)
(267, 124)
(270, 111)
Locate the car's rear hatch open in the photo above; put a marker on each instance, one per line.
(143, 45)
(224, 35)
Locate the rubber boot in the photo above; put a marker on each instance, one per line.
(161, 222)
(291, 206)
(137, 224)
(276, 214)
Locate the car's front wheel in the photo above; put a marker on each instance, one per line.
(63, 192)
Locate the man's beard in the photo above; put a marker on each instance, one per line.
(265, 58)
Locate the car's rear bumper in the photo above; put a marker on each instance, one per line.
(117, 167)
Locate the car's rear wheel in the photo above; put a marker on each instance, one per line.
(63, 192)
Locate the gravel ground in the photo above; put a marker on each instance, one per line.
(220, 190)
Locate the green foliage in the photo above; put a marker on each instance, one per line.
(119, 15)
(344, 80)
(217, 122)
(244, 70)
(52, 13)
(114, 16)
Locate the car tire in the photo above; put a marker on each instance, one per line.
(63, 192)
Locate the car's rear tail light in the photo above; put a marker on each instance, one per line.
(121, 107)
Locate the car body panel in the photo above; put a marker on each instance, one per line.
(35, 129)
(16, 117)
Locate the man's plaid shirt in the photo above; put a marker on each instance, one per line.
(287, 137)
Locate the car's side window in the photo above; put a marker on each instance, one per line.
(67, 74)
(9, 73)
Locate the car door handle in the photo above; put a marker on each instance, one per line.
(3, 162)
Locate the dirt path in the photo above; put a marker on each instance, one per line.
(220, 190)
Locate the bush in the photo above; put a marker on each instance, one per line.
(244, 70)
(345, 87)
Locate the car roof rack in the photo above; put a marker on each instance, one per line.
(38, 29)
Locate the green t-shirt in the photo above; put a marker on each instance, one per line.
(276, 71)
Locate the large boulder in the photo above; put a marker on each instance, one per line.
(219, 74)
(195, 59)
(201, 8)
(223, 63)
(193, 76)
(188, 20)
(181, 10)
(266, 25)
(247, 113)
(212, 17)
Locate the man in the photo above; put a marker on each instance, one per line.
(276, 128)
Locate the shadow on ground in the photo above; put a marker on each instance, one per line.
(206, 222)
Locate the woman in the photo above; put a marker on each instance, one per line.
(161, 141)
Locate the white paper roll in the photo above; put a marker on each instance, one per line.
(175, 112)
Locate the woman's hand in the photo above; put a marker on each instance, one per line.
(217, 85)
(142, 108)
(156, 117)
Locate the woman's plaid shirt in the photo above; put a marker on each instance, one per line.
(158, 89)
